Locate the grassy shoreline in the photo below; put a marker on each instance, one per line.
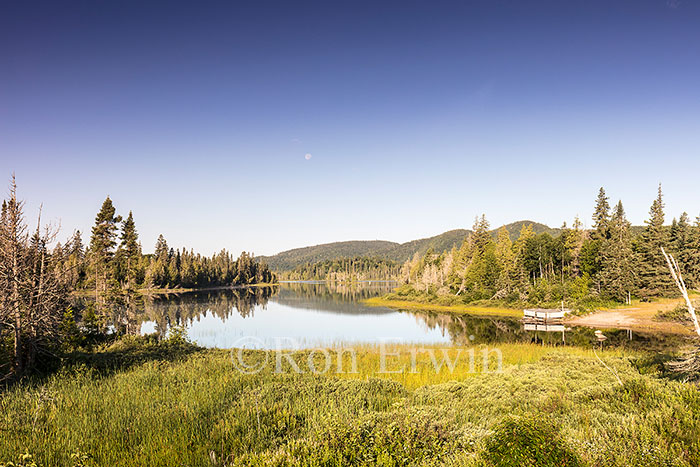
(176, 406)
(639, 316)
(413, 305)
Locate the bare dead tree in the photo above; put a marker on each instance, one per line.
(31, 295)
(678, 278)
(689, 364)
(13, 239)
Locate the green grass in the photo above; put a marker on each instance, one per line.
(415, 305)
(147, 404)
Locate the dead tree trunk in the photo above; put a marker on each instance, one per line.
(678, 278)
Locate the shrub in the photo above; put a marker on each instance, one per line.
(529, 441)
(679, 314)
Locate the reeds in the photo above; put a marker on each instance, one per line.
(197, 410)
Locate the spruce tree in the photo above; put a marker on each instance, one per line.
(601, 216)
(520, 249)
(506, 263)
(654, 277)
(691, 259)
(102, 243)
(573, 243)
(129, 251)
(481, 271)
(591, 250)
(684, 246)
(162, 248)
(617, 273)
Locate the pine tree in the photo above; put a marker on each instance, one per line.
(520, 248)
(654, 278)
(691, 259)
(617, 274)
(102, 243)
(129, 251)
(573, 243)
(157, 270)
(601, 216)
(162, 248)
(506, 263)
(591, 250)
(76, 260)
(480, 273)
(682, 245)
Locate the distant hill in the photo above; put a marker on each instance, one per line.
(444, 241)
(514, 229)
(289, 259)
(398, 252)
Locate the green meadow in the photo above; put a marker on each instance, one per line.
(139, 402)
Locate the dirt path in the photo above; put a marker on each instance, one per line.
(638, 317)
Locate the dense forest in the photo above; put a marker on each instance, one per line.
(113, 261)
(579, 266)
(345, 270)
(38, 314)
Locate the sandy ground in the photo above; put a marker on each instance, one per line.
(638, 317)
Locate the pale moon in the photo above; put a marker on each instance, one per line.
(307, 156)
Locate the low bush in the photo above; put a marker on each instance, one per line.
(532, 440)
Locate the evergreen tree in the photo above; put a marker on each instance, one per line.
(691, 258)
(654, 277)
(601, 216)
(573, 243)
(520, 248)
(681, 243)
(162, 249)
(129, 251)
(481, 269)
(617, 274)
(591, 250)
(102, 243)
(157, 271)
(506, 264)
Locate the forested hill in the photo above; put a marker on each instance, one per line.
(514, 229)
(398, 252)
(444, 241)
(290, 259)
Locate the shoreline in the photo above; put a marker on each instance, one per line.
(638, 318)
(88, 293)
(456, 309)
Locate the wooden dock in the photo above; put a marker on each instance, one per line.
(544, 315)
(544, 327)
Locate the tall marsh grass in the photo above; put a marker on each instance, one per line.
(195, 409)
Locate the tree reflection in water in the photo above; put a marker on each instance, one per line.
(127, 314)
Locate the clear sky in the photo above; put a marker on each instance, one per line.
(199, 116)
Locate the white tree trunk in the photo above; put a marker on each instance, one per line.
(678, 278)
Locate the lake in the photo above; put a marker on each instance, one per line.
(318, 314)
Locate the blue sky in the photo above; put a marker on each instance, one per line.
(418, 115)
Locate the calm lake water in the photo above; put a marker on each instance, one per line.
(299, 314)
(316, 314)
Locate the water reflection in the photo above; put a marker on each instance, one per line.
(317, 313)
(465, 329)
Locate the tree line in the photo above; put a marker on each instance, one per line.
(604, 263)
(345, 270)
(114, 262)
(36, 310)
